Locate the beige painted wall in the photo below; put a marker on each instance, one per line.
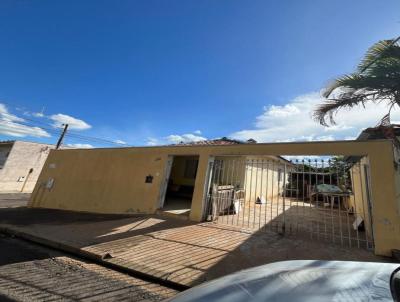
(262, 178)
(256, 175)
(22, 157)
(112, 180)
(102, 180)
(397, 177)
(359, 200)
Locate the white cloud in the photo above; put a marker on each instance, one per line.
(73, 123)
(38, 114)
(7, 116)
(197, 132)
(10, 125)
(175, 139)
(80, 146)
(29, 113)
(282, 111)
(293, 121)
(184, 138)
(121, 142)
(325, 138)
(151, 141)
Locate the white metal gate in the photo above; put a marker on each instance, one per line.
(325, 198)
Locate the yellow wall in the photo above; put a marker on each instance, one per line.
(397, 177)
(102, 181)
(359, 200)
(113, 180)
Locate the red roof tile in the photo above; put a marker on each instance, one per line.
(216, 142)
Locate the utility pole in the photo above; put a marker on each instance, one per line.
(62, 136)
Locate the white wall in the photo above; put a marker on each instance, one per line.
(23, 157)
(256, 175)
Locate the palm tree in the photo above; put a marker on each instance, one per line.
(377, 79)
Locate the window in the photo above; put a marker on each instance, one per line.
(191, 168)
(3, 158)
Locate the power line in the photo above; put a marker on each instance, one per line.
(67, 135)
(24, 114)
(72, 140)
(15, 128)
(95, 139)
(46, 126)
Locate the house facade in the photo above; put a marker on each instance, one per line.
(20, 165)
(144, 180)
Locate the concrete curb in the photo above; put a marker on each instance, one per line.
(79, 253)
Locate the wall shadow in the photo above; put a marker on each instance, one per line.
(180, 251)
(292, 237)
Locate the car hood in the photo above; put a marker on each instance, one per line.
(300, 280)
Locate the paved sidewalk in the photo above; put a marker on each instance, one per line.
(178, 251)
(11, 200)
(29, 272)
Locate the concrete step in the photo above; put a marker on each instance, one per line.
(169, 214)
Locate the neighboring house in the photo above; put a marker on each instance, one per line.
(20, 165)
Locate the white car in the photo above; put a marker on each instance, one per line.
(303, 280)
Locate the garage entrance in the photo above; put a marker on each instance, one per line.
(324, 198)
(179, 185)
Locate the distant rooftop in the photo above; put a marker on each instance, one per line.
(380, 132)
(388, 131)
(217, 142)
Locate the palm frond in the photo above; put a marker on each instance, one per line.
(351, 83)
(380, 50)
(377, 79)
(328, 109)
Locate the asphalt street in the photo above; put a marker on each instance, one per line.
(29, 272)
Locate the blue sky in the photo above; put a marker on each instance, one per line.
(154, 72)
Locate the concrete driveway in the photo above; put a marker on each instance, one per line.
(177, 251)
